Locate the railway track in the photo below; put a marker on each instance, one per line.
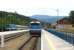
(30, 44)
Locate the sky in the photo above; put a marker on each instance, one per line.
(38, 7)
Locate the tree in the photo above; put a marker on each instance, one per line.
(71, 17)
(13, 18)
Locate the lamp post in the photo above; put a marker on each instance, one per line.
(57, 11)
(57, 14)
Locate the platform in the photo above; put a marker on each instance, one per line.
(52, 42)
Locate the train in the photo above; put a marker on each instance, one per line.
(35, 28)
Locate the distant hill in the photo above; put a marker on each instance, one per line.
(13, 18)
(46, 18)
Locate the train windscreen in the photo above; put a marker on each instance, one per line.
(35, 25)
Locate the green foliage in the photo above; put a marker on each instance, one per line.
(13, 18)
(71, 17)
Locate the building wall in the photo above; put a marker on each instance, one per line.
(63, 26)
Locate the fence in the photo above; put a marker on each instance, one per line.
(2, 34)
(69, 37)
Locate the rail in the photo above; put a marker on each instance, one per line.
(30, 44)
(69, 37)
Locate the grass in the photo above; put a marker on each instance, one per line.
(71, 30)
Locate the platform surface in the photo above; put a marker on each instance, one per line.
(52, 42)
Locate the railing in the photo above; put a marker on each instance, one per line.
(2, 34)
(64, 35)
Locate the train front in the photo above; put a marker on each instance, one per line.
(35, 28)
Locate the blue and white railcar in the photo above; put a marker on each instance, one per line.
(35, 28)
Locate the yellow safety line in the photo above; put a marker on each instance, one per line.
(51, 46)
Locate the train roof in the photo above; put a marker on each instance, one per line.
(35, 22)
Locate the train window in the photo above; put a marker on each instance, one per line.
(35, 25)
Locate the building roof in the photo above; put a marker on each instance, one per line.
(63, 21)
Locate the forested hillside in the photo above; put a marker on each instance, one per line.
(13, 18)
